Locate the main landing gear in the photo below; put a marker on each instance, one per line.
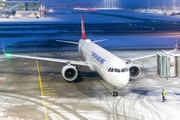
(114, 93)
(79, 74)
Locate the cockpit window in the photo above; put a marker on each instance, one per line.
(124, 70)
(117, 70)
(112, 69)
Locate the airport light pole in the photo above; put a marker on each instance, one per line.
(156, 3)
(174, 5)
(40, 8)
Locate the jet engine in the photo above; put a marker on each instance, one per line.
(134, 71)
(69, 72)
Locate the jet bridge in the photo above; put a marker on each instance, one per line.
(168, 64)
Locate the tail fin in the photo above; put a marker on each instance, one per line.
(176, 46)
(83, 28)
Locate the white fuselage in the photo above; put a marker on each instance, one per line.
(110, 67)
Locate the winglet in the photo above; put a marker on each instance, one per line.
(7, 54)
(83, 28)
(176, 46)
(3, 48)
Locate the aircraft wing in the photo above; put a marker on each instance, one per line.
(148, 56)
(73, 62)
(82, 63)
(51, 59)
(14, 7)
(139, 58)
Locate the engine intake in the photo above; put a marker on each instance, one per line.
(134, 70)
(69, 72)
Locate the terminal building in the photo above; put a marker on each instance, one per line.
(26, 7)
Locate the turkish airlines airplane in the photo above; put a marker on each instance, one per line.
(10, 11)
(110, 67)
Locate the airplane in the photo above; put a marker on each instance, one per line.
(9, 12)
(110, 67)
(88, 9)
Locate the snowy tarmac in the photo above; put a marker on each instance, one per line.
(20, 90)
(86, 98)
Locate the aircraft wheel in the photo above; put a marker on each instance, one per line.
(116, 93)
(113, 93)
(79, 74)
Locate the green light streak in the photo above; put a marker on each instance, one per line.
(8, 55)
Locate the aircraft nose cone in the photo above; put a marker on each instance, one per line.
(123, 80)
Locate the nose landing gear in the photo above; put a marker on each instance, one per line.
(114, 93)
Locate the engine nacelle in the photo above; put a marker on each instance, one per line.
(134, 71)
(69, 72)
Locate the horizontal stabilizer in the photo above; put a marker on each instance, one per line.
(67, 41)
(99, 40)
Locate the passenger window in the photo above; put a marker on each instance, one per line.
(117, 70)
(112, 69)
(109, 69)
(126, 69)
(123, 70)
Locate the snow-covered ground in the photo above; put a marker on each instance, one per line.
(140, 99)
(152, 16)
(22, 20)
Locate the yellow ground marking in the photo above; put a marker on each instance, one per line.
(104, 84)
(47, 106)
(44, 86)
(48, 88)
(40, 84)
(54, 114)
(46, 91)
(75, 54)
(53, 90)
(49, 93)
